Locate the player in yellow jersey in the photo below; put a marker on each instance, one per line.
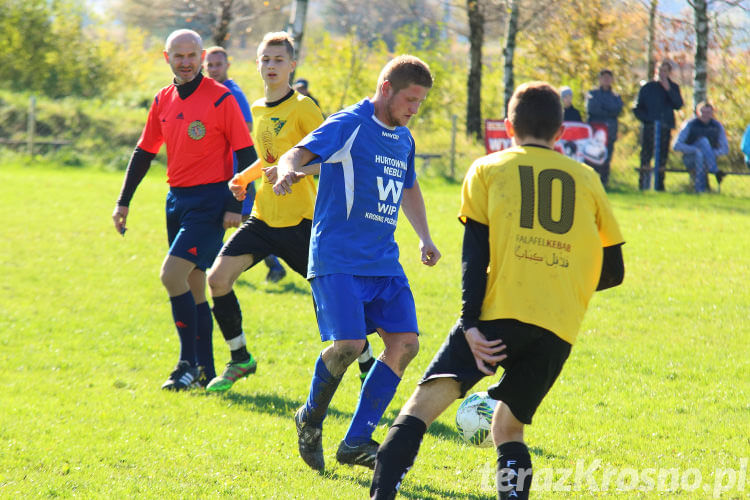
(277, 225)
(539, 238)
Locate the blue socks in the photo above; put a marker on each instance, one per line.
(186, 321)
(204, 340)
(377, 392)
(322, 389)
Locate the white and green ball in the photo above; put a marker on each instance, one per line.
(474, 419)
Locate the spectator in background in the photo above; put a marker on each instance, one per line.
(301, 86)
(745, 146)
(570, 113)
(604, 106)
(217, 64)
(701, 141)
(656, 102)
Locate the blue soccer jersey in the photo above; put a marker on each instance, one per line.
(239, 96)
(365, 166)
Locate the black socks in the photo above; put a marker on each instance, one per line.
(513, 471)
(396, 456)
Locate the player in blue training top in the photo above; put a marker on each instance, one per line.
(367, 172)
(216, 65)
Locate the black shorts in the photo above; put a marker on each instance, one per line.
(535, 358)
(258, 239)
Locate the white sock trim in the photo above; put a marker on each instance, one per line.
(237, 342)
(365, 355)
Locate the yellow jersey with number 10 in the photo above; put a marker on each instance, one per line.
(548, 219)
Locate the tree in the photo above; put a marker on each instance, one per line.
(474, 80)
(650, 64)
(220, 31)
(700, 72)
(570, 44)
(508, 52)
(47, 47)
(296, 26)
(381, 20)
(218, 20)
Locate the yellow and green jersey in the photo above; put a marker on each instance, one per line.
(548, 219)
(277, 127)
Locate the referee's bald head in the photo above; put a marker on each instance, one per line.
(182, 35)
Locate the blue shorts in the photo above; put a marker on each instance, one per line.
(349, 307)
(195, 222)
(247, 203)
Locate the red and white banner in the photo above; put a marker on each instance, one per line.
(581, 141)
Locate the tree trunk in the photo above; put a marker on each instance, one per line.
(508, 51)
(700, 9)
(220, 33)
(474, 83)
(296, 27)
(650, 63)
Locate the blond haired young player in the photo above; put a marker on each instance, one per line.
(539, 238)
(279, 226)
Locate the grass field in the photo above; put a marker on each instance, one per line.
(653, 402)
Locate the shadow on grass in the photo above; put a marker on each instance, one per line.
(424, 491)
(335, 476)
(288, 287)
(414, 491)
(540, 452)
(437, 429)
(273, 404)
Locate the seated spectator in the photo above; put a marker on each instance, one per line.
(745, 146)
(570, 114)
(701, 141)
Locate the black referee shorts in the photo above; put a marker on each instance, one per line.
(535, 358)
(258, 239)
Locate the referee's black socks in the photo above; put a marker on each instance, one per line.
(396, 456)
(513, 471)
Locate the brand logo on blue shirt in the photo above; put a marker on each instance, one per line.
(390, 135)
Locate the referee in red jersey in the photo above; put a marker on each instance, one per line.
(201, 124)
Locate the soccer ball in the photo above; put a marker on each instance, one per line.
(474, 419)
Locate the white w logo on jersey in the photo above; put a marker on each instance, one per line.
(393, 187)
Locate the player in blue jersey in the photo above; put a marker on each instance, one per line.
(216, 65)
(367, 172)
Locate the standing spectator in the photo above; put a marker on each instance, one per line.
(570, 113)
(604, 106)
(656, 102)
(523, 302)
(201, 124)
(217, 64)
(745, 146)
(701, 141)
(301, 86)
(367, 172)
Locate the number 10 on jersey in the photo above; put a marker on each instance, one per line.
(543, 184)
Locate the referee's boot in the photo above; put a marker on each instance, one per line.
(183, 377)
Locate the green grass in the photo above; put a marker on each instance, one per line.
(658, 379)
